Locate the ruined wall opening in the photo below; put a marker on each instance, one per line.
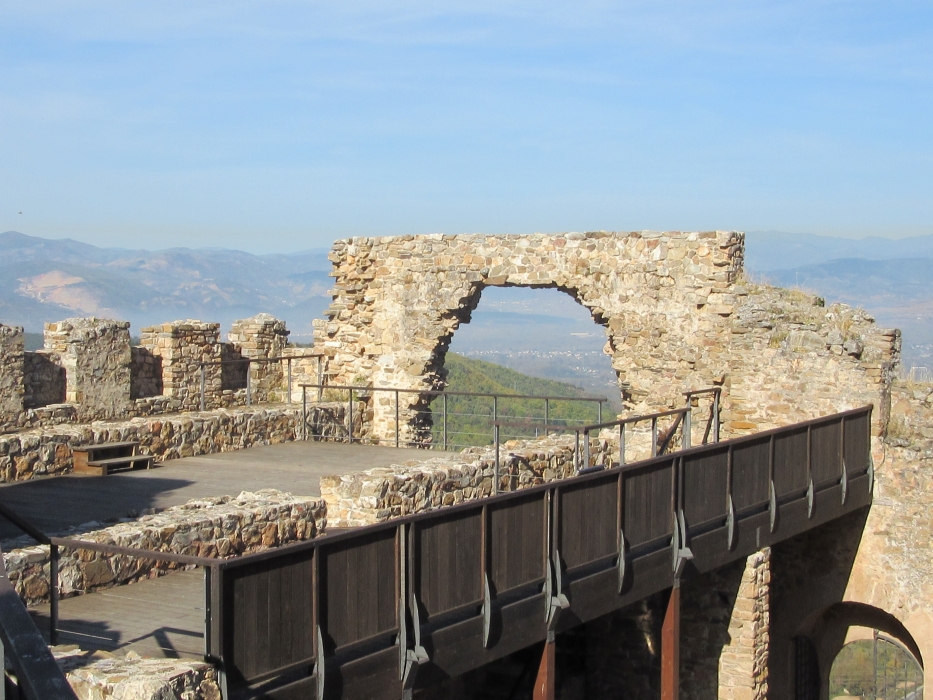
(873, 664)
(526, 341)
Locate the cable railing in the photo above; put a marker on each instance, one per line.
(439, 435)
(661, 440)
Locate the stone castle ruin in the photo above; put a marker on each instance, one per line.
(678, 313)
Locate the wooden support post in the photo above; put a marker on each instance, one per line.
(544, 682)
(670, 647)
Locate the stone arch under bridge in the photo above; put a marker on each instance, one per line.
(676, 316)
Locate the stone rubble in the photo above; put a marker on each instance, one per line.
(103, 676)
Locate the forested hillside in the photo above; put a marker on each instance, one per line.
(469, 418)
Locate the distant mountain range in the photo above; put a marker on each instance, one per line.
(47, 280)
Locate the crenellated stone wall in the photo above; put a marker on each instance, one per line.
(182, 346)
(11, 375)
(262, 337)
(95, 354)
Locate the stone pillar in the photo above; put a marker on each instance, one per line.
(182, 346)
(11, 375)
(726, 632)
(260, 338)
(743, 662)
(95, 354)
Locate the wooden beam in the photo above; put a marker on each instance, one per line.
(670, 647)
(544, 682)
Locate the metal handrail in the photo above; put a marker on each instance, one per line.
(38, 675)
(362, 390)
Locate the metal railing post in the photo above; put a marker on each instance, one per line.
(320, 379)
(445, 422)
(289, 381)
(350, 420)
(495, 472)
(495, 412)
(687, 427)
(621, 444)
(599, 411)
(249, 388)
(716, 416)
(203, 383)
(397, 427)
(547, 416)
(654, 437)
(586, 449)
(304, 413)
(53, 593)
(576, 450)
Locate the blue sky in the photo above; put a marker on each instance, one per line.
(278, 126)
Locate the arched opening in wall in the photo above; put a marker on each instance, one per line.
(860, 650)
(523, 341)
(873, 664)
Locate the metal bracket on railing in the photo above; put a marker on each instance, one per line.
(487, 610)
(556, 600)
(681, 552)
(810, 495)
(844, 482)
(730, 524)
(622, 555)
(772, 505)
(415, 657)
(320, 664)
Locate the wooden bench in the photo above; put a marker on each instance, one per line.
(102, 459)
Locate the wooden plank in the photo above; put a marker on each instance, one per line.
(826, 453)
(518, 539)
(750, 480)
(790, 462)
(670, 648)
(647, 494)
(856, 444)
(588, 521)
(270, 623)
(705, 486)
(358, 597)
(448, 555)
(544, 684)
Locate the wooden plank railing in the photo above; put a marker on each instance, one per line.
(372, 612)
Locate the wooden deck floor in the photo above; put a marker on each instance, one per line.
(161, 617)
(54, 504)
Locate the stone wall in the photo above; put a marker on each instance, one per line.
(792, 358)
(677, 312)
(45, 380)
(376, 495)
(661, 296)
(47, 450)
(11, 375)
(262, 337)
(208, 527)
(95, 354)
(182, 346)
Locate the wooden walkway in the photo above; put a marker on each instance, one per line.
(161, 617)
(55, 504)
(164, 617)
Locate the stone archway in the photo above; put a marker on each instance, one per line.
(398, 300)
(827, 632)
